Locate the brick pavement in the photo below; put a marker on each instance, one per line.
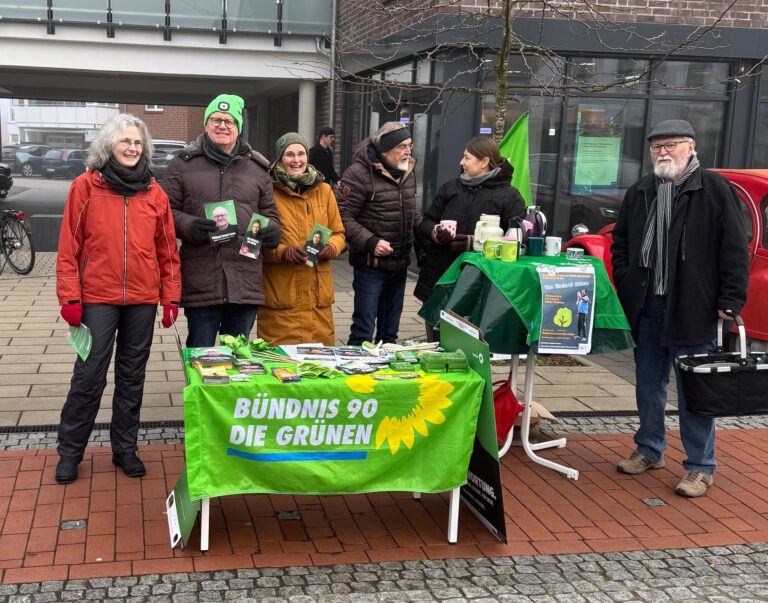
(124, 530)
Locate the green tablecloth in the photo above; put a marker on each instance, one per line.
(504, 300)
(328, 436)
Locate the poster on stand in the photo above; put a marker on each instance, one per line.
(567, 308)
(181, 512)
(483, 492)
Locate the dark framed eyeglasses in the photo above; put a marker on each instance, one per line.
(668, 146)
(218, 121)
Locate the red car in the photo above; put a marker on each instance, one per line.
(752, 188)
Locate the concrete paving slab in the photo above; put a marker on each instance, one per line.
(608, 403)
(36, 332)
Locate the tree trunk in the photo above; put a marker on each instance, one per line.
(502, 66)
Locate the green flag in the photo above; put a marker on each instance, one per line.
(514, 147)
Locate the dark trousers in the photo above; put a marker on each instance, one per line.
(582, 325)
(205, 322)
(133, 327)
(378, 302)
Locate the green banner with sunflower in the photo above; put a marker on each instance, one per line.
(330, 436)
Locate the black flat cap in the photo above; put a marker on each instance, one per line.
(672, 127)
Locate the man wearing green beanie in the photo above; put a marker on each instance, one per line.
(221, 289)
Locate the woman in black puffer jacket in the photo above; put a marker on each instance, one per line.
(483, 188)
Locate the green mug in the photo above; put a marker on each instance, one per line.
(508, 251)
(492, 250)
(535, 246)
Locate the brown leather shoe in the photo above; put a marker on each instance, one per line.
(637, 464)
(694, 484)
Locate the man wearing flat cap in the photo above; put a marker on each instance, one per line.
(221, 289)
(680, 262)
(377, 202)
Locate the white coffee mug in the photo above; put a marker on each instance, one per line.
(552, 246)
(449, 225)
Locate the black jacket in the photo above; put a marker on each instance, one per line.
(708, 257)
(374, 206)
(322, 160)
(457, 201)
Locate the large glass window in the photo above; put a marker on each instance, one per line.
(603, 148)
(607, 75)
(760, 148)
(543, 140)
(688, 78)
(706, 117)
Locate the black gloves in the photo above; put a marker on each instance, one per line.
(293, 255)
(200, 228)
(270, 236)
(462, 242)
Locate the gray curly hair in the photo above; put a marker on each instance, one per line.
(106, 138)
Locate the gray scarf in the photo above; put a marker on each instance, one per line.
(654, 253)
(478, 180)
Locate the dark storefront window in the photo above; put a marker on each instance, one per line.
(683, 78)
(706, 117)
(588, 118)
(760, 150)
(602, 158)
(604, 112)
(607, 76)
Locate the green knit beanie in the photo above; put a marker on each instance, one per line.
(227, 103)
(287, 140)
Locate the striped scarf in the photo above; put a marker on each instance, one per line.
(654, 253)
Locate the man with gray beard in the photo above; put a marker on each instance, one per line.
(377, 203)
(680, 261)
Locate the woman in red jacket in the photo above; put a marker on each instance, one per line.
(117, 259)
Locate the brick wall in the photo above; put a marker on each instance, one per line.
(361, 22)
(172, 123)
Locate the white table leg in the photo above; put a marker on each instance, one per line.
(416, 495)
(205, 517)
(530, 370)
(453, 516)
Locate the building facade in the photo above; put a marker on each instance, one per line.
(592, 83)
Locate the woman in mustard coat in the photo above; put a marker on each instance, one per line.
(299, 298)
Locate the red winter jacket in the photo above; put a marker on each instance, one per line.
(115, 249)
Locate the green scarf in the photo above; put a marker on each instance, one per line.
(298, 183)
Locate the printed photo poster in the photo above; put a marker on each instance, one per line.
(315, 243)
(567, 309)
(252, 243)
(223, 214)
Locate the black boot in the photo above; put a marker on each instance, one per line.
(131, 464)
(66, 470)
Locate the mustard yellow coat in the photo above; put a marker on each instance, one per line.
(299, 300)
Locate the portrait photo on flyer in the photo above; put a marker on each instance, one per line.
(224, 215)
(252, 243)
(315, 243)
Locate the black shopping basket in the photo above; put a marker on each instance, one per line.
(723, 384)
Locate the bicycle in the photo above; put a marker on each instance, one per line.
(16, 242)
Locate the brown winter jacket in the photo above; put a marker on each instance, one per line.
(375, 206)
(217, 274)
